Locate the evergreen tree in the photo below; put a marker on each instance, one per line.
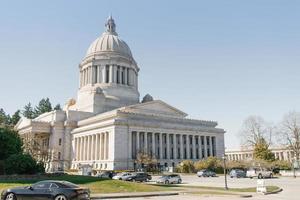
(43, 107)
(28, 111)
(262, 151)
(15, 117)
(57, 107)
(4, 119)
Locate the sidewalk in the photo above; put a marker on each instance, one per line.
(132, 195)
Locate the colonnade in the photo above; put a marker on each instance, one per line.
(108, 74)
(92, 147)
(172, 145)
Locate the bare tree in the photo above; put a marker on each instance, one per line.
(254, 130)
(146, 159)
(289, 132)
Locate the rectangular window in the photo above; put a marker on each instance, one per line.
(127, 76)
(95, 73)
(118, 74)
(107, 74)
(59, 142)
(59, 156)
(123, 75)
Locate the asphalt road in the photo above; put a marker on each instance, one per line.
(289, 185)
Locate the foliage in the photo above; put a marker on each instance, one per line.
(15, 117)
(211, 163)
(57, 107)
(144, 159)
(290, 132)
(4, 119)
(28, 111)
(10, 143)
(261, 151)
(22, 164)
(281, 164)
(186, 166)
(254, 129)
(43, 107)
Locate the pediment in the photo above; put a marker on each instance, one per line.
(23, 122)
(156, 107)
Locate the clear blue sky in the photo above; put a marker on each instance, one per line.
(216, 60)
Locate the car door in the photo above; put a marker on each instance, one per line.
(38, 191)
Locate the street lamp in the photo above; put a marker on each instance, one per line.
(293, 166)
(225, 174)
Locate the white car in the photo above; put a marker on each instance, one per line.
(169, 179)
(259, 173)
(122, 176)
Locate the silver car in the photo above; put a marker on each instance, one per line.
(259, 173)
(169, 179)
(122, 176)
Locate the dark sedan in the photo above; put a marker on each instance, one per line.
(54, 190)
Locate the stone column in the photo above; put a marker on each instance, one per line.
(107, 143)
(129, 143)
(111, 74)
(153, 144)
(137, 142)
(93, 147)
(81, 148)
(211, 146)
(99, 77)
(89, 147)
(200, 147)
(125, 76)
(168, 145)
(174, 147)
(194, 146)
(145, 142)
(181, 146)
(188, 148)
(101, 146)
(77, 148)
(160, 146)
(205, 147)
(115, 73)
(104, 146)
(97, 147)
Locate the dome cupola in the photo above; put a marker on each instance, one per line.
(109, 43)
(108, 74)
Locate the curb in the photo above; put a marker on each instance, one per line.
(274, 192)
(134, 195)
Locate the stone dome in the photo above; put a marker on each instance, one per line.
(109, 42)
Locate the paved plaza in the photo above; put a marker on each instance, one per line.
(289, 185)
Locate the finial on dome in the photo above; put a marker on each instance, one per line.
(110, 25)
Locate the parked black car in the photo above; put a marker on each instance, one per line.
(139, 177)
(56, 190)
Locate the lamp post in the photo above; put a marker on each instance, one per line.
(225, 174)
(293, 166)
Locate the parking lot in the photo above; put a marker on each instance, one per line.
(289, 185)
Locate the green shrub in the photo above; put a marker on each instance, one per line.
(186, 166)
(22, 164)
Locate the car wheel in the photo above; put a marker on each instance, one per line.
(179, 181)
(61, 197)
(120, 179)
(167, 182)
(260, 176)
(10, 196)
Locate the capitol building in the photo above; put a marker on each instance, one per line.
(107, 125)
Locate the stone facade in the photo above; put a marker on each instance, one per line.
(108, 126)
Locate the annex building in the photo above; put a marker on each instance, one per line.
(108, 125)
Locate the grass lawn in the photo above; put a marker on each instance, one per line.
(96, 185)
